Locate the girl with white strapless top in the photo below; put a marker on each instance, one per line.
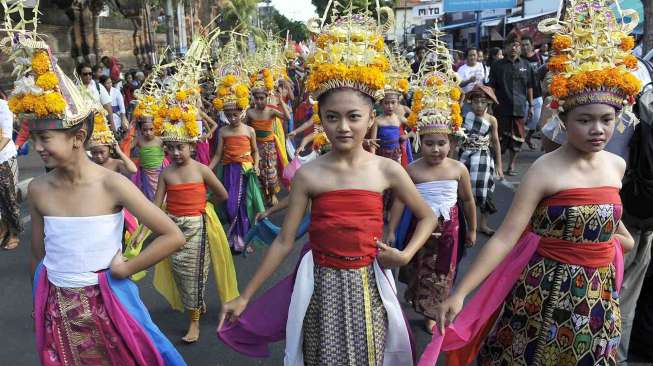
(440, 181)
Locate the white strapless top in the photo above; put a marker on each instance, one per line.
(77, 247)
(440, 195)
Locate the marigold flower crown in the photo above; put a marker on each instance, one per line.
(592, 60)
(42, 93)
(102, 134)
(230, 79)
(436, 100)
(396, 78)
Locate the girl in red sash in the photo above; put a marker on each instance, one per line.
(551, 274)
(341, 305)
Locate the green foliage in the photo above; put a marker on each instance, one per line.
(320, 5)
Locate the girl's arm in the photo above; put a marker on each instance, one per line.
(278, 251)
(210, 122)
(217, 157)
(305, 141)
(404, 188)
(219, 192)
(496, 145)
(254, 147)
(396, 212)
(127, 164)
(530, 192)
(285, 112)
(626, 240)
(38, 248)
(373, 136)
(280, 206)
(469, 205)
(168, 236)
(305, 126)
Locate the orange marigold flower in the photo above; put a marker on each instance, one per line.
(47, 80)
(403, 85)
(455, 108)
(55, 103)
(455, 93)
(242, 103)
(241, 91)
(174, 114)
(40, 62)
(595, 79)
(229, 80)
(561, 42)
(15, 104)
(577, 82)
(558, 63)
(630, 62)
(559, 88)
(627, 43)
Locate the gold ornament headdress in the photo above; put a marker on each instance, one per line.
(592, 57)
(102, 134)
(267, 65)
(349, 52)
(230, 79)
(179, 122)
(149, 96)
(436, 100)
(42, 93)
(396, 78)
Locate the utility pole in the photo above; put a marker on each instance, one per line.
(170, 21)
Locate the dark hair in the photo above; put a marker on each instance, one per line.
(104, 58)
(527, 38)
(510, 39)
(419, 48)
(494, 51)
(103, 79)
(82, 66)
(95, 68)
(88, 123)
(467, 51)
(326, 95)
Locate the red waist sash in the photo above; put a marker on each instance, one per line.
(186, 199)
(344, 225)
(582, 254)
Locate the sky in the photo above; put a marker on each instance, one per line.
(300, 10)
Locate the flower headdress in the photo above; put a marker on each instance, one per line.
(396, 78)
(42, 93)
(592, 57)
(230, 79)
(436, 100)
(179, 118)
(349, 53)
(102, 134)
(267, 65)
(150, 96)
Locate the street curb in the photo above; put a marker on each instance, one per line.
(21, 190)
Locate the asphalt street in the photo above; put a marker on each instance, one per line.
(17, 347)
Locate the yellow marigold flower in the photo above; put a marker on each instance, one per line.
(455, 108)
(174, 114)
(99, 123)
(379, 45)
(223, 91)
(40, 62)
(188, 117)
(561, 42)
(55, 103)
(630, 62)
(15, 104)
(229, 80)
(162, 112)
(557, 63)
(241, 91)
(403, 85)
(41, 107)
(558, 86)
(320, 139)
(456, 121)
(316, 119)
(181, 95)
(455, 93)
(412, 120)
(269, 84)
(242, 103)
(192, 128)
(157, 124)
(627, 43)
(47, 80)
(218, 103)
(266, 73)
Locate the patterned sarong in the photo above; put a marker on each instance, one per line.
(9, 207)
(269, 175)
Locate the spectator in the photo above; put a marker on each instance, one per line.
(544, 52)
(471, 74)
(128, 92)
(98, 71)
(420, 51)
(10, 226)
(494, 54)
(95, 91)
(480, 58)
(139, 77)
(512, 80)
(117, 104)
(112, 70)
(458, 60)
(536, 61)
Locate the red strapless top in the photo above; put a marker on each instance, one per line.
(186, 199)
(344, 225)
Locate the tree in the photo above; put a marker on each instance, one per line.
(320, 5)
(298, 30)
(647, 43)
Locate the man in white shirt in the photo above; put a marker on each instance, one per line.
(96, 91)
(471, 73)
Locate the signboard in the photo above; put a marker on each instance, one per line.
(429, 11)
(452, 6)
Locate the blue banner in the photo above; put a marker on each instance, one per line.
(452, 6)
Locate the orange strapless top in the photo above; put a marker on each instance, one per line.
(263, 128)
(344, 224)
(237, 149)
(186, 199)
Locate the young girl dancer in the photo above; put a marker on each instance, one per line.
(553, 269)
(343, 308)
(237, 152)
(100, 144)
(85, 311)
(440, 181)
(482, 134)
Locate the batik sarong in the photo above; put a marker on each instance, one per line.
(553, 299)
(103, 324)
(328, 310)
(9, 207)
(268, 173)
(479, 160)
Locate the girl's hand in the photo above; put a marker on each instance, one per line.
(390, 239)
(390, 257)
(291, 134)
(470, 238)
(232, 310)
(499, 174)
(256, 170)
(119, 266)
(446, 312)
(262, 215)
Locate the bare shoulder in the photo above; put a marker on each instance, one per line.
(250, 129)
(38, 186)
(616, 161)
(492, 119)
(205, 170)
(458, 166)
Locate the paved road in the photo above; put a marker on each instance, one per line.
(17, 346)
